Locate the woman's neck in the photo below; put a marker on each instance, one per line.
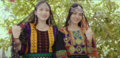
(41, 25)
(73, 27)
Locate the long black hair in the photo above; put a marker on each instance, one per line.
(70, 13)
(29, 19)
(51, 15)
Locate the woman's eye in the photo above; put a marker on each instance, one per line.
(40, 9)
(80, 14)
(74, 13)
(47, 10)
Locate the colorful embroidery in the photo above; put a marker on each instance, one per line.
(43, 41)
(74, 42)
(90, 49)
(76, 49)
(61, 54)
(38, 55)
(33, 39)
(51, 38)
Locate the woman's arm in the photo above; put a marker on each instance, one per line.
(16, 31)
(60, 48)
(91, 46)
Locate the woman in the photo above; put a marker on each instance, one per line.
(75, 40)
(39, 31)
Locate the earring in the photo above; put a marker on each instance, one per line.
(81, 24)
(69, 22)
(35, 20)
(49, 21)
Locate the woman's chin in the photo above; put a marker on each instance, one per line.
(75, 23)
(43, 19)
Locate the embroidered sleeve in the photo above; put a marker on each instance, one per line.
(23, 45)
(91, 49)
(60, 48)
(61, 54)
(55, 35)
(22, 51)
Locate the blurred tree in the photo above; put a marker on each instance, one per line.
(103, 17)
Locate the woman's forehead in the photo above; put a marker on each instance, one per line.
(43, 5)
(77, 9)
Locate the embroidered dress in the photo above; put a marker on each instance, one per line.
(39, 43)
(73, 44)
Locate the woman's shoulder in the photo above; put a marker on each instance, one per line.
(54, 26)
(83, 29)
(28, 25)
(63, 30)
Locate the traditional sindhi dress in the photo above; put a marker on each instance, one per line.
(73, 44)
(39, 43)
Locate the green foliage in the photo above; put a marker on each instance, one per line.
(103, 18)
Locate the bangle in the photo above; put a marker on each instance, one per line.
(18, 44)
(16, 39)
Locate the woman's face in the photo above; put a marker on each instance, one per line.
(76, 17)
(43, 11)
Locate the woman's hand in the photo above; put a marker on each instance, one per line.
(16, 30)
(89, 34)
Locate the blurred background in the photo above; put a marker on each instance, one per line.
(103, 17)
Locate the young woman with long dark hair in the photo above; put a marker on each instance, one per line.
(40, 33)
(74, 40)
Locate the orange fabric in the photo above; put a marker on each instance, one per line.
(26, 48)
(95, 52)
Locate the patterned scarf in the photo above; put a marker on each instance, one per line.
(86, 25)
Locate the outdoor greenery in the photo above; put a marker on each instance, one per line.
(103, 18)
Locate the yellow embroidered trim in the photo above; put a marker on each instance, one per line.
(51, 38)
(33, 39)
(70, 34)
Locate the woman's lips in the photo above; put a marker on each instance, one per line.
(76, 19)
(44, 16)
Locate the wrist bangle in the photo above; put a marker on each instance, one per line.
(16, 40)
(18, 44)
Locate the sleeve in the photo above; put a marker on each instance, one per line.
(94, 53)
(92, 50)
(22, 51)
(60, 48)
(55, 30)
(23, 38)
